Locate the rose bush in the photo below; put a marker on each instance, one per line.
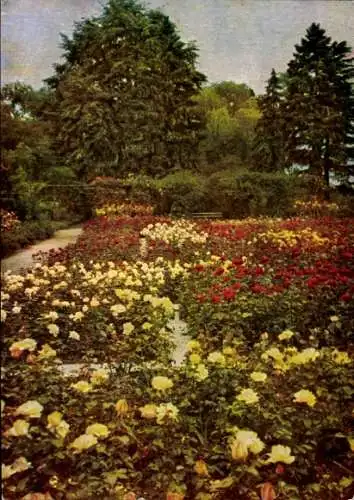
(261, 405)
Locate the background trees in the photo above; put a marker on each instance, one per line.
(319, 90)
(230, 112)
(124, 94)
(128, 99)
(310, 122)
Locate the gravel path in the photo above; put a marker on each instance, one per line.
(23, 258)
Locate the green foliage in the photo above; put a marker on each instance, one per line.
(307, 114)
(29, 158)
(269, 150)
(182, 193)
(319, 84)
(231, 113)
(124, 94)
(235, 193)
(24, 234)
(251, 193)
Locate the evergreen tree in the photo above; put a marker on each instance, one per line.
(125, 94)
(268, 151)
(319, 105)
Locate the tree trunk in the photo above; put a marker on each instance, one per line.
(326, 170)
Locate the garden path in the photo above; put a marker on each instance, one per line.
(23, 258)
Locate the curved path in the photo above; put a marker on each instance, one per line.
(23, 258)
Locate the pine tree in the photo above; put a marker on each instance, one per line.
(319, 104)
(268, 151)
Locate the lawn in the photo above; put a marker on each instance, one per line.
(261, 405)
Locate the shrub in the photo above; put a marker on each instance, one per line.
(243, 194)
(249, 412)
(25, 234)
(182, 193)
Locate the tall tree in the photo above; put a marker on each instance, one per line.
(269, 153)
(319, 104)
(231, 112)
(125, 93)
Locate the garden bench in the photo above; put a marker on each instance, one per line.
(207, 215)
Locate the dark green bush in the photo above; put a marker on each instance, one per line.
(182, 193)
(242, 194)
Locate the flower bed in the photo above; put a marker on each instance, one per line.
(262, 404)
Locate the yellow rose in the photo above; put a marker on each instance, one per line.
(280, 453)
(195, 359)
(217, 357)
(54, 419)
(82, 386)
(258, 376)
(148, 411)
(201, 372)
(94, 302)
(351, 443)
(341, 357)
(62, 429)
(99, 376)
(228, 351)
(285, 335)
(98, 430)
(193, 345)
(239, 450)
(122, 407)
(128, 328)
(74, 335)
(53, 329)
(166, 411)
(244, 442)
(46, 352)
(200, 467)
(305, 396)
(274, 353)
(19, 428)
(304, 356)
(249, 396)
(19, 465)
(161, 383)
(30, 409)
(84, 442)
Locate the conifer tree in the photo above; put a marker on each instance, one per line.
(125, 93)
(268, 152)
(319, 105)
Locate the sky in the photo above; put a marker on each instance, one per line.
(238, 40)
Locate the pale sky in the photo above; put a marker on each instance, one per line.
(239, 40)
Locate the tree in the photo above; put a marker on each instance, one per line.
(234, 95)
(268, 152)
(125, 92)
(230, 112)
(319, 107)
(28, 157)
